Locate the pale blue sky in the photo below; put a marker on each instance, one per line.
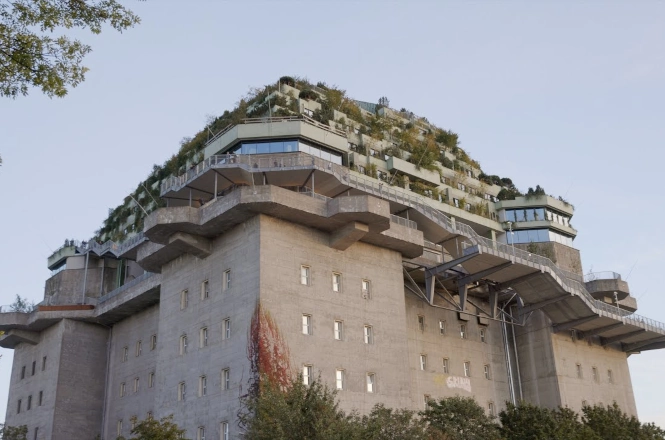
(567, 95)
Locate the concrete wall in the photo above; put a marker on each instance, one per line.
(72, 382)
(127, 333)
(45, 381)
(548, 365)
(569, 352)
(287, 300)
(433, 381)
(66, 287)
(80, 395)
(237, 250)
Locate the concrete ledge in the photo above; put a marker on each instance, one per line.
(14, 337)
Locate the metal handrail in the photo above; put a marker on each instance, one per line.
(605, 275)
(403, 221)
(398, 195)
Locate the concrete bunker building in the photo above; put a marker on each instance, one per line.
(394, 282)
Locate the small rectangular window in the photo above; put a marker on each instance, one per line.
(36, 433)
(44, 363)
(41, 398)
(421, 323)
(225, 431)
(610, 377)
(304, 275)
(29, 405)
(125, 354)
(427, 399)
(467, 369)
(184, 299)
(583, 403)
(306, 324)
(203, 386)
(226, 379)
(34, 367)
(368, 334)
(183, 344)
(490, 408)
(442, 327)
(182, 391)
(139, 348)
(149, 415)
(338, 330)
(226, 328)
(201, 433)
(119, 427)
(482, 335)
(307, 374)
(371, 382)
(227, 279)
(151, 379)
(23, 372)
(123, 389)
(203, 337)
(337, 282)
(578, 367)
(462, 331)
(486, 369)
(423, 362)
(366, 289)
(18, 407)
(446, 365)
(339, 379)
(594, 374)
(136, 384)
(153, 342)
(205, 291)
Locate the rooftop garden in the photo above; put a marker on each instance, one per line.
(423, 144)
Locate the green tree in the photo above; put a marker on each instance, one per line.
(31, 54)
(295, 411)
(459, 418)
(22, 305)
(152, 429)
(530, 422)
(13, 432)
(609, 422)
(392, 424)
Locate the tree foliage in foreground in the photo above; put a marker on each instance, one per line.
(32, 54)
(152, 429)
(13, 432)
(459, 418)
(609, 422)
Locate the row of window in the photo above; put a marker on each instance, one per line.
(138, 351)
(338, 329)
(40, 401)
(537, 236)
(137, 384)
(34, 368)
(203, 385)
(487, 371)
(340, 379)
(535, 214)
(200, 431)
(463, 331)
(336, 281)
(427, 400)
(595, 375)
(205, 290)
(203, 336)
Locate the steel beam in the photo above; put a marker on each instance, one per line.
(636, 346)
(617, 338)
(600, 330)
(433, 271)
(574, 323)
(468, 279)
(544, 303)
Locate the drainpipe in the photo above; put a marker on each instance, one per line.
(101, 283)
(106, 381)
(85, 277)
(517, 361)
(504, 332)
